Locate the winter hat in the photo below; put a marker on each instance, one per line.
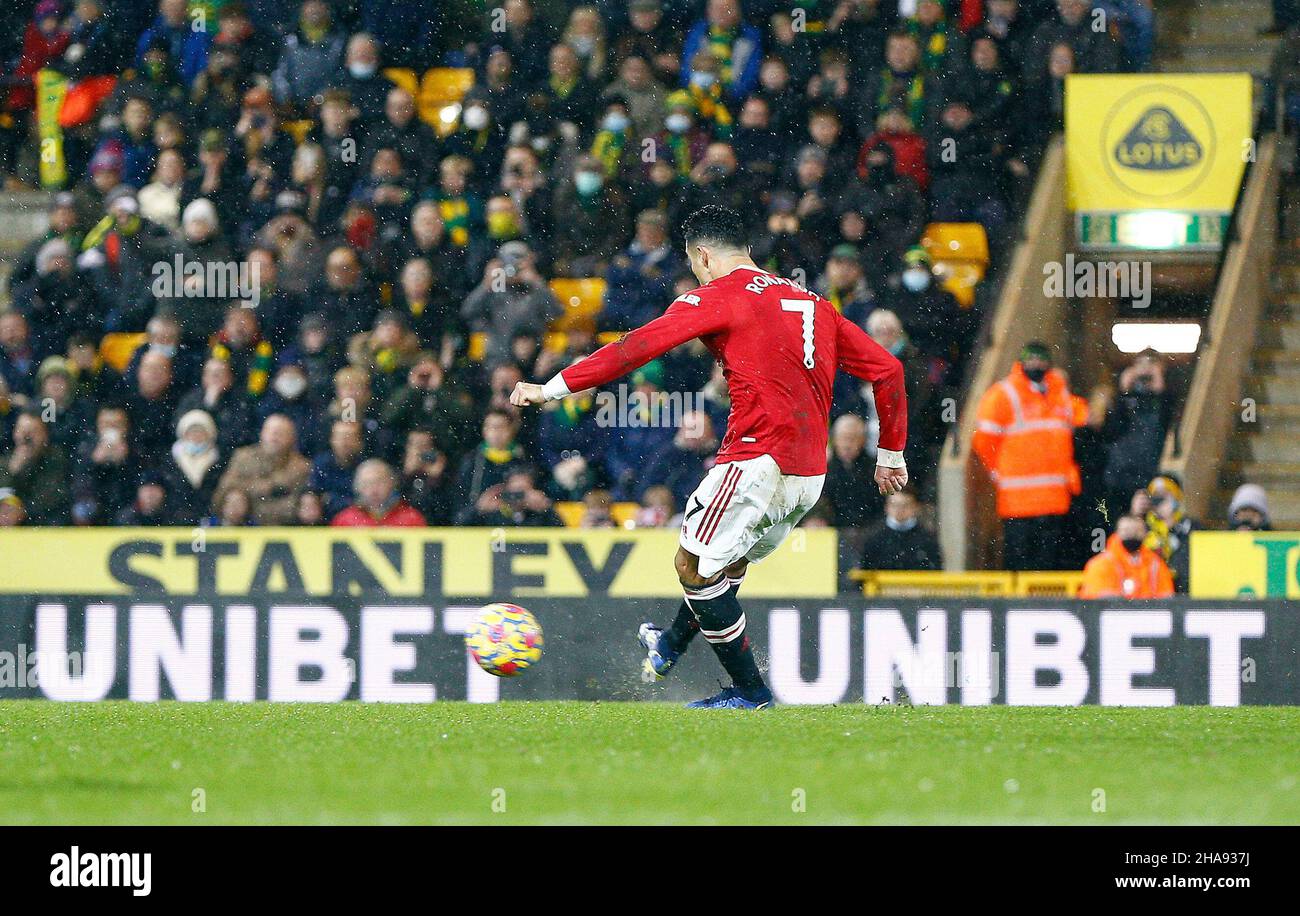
(108, 158)
(200, 209)
(1249, 496)
(194, 418)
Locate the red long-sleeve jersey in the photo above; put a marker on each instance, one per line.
(780, 346)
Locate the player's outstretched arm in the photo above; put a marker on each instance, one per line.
(683, 321)
(862, 357)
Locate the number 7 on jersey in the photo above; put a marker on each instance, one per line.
(805, 309)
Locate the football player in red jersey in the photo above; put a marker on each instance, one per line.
(780, 347)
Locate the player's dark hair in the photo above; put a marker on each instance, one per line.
(713, 225)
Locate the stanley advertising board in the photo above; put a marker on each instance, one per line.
(1156, 141)
(501, 564)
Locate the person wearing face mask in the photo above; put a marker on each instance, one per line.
(1025, 439)
(900, 541)
(615, 144)
(591, 221)
(362, 80)
(1126, 568)
(737, 45)
(684, 136)
(192, 469)
(1248, 510)
(937, 324)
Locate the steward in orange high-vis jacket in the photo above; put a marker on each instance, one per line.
(1025, 438)
(1126, 568)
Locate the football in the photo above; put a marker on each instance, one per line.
(505, 640)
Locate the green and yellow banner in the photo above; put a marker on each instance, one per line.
(1245, 564)
(1156, 142)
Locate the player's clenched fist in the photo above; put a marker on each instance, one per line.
(526, 393)
(891, 480)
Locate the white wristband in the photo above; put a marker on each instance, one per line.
(556, 388)
(887, 459)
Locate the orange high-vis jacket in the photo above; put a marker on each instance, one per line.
(1116, 573)
(1025, 438)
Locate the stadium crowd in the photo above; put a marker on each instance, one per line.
(328, 377)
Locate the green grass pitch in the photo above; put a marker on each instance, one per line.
(451, 763)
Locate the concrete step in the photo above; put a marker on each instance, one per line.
(1268, 474)
(1272, 389)
(1273, 447)
(1282, 334)
(1274, 361)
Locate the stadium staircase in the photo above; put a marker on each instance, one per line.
(1266, 451)
(1213, 36)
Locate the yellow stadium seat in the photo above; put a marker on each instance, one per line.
(477, 348)
(440, 87)
(883, 584)
(960, 255)
(608, 337)
(571, 512)
(116, 349)
(582, 299)
(1048, 584)
(624, 513)
(297, 129)
(404, 77)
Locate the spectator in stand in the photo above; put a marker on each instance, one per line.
(515, 502)
(850, 500)
(636, 436)
(1127, 568)
(925, 425)
(310, 58)
(67, 415)
(1170, 527)
(150, 507)
(1075, 24)
(333, 471)
(37, 472)
(379, 503)
(12, 511)
(427, 482)
(737, 45)
(228, 407)
(591, 219)
(658, 509)
(193, 469)
(652, 38)
(511, 297)
(18, 360)
(106, 469)
(639, 281)
(1248, 510)
(900, 84)
(844, 284)
(426, 401)
(496, 457)
(900, 541)
(1135, 428)
(597, 510)
(1025, 439)
(272, 473)
(935, 322)
(386, 352)
(679, 462)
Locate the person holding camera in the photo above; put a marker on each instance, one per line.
(511, 297)
(1135, 427)
(37, 472)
